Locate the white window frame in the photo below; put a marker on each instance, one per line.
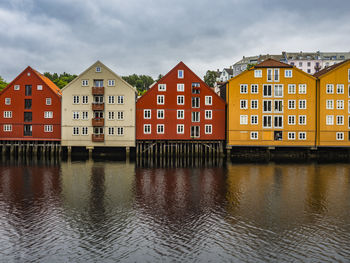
(280, 102)
(254, 104)
(254, 89)
(76, 99)
(243, 104)
(84, 115)
(162, 127)
(243, 120)
(244, 88)
(300, 136)
(276, 75)
(147, 114)
(302, 104)
(340, 88)
(76, 115)
(39, 87)
(291, 117)
(48, 128)
(162, 87)
(291, 104)
(279, 117)
(7, 114)
(329, 104)
(16, 87)
(340, 117)
(48, 101)
(329, 89)
(302, 89)
(160, 99)
(180, 87)
(291, 135)
(120, 115)
(147, 126)
(340, 104)
(329, 119)
(339, 136)
(268, 102)
(208, 100)
(180, 74)
(180, 128)
(267, 85)
(208, 114)
(84, 83)
(111, 115)
(7, 127)
(257, 73)
(254, 119)
(75, 130)
(254, 135)
(279, 90)
(111, 83)
(269, 75)
(84, 99)
(120, 131)
(180, 100)
(291, 88)
(180, 112)
(194, 116)
(48, 114)
(98, 69)
(120, 99)
(7, 101)
(160, 114)
(267, 117)
(302, 116)
(208, 129)
(288, 73)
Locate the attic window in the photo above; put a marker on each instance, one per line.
(180, 74)
(28, 74)
(98, 69)
(16, 87)
(39, 87)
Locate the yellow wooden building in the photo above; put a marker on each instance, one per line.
(271, 104)
(333, 84)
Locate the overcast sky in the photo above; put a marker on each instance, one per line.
(150, 37)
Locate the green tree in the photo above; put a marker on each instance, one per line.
(159, 77)
(249, 66)
(210, 78)
(3, 84)
(60, 80)
(141, 82)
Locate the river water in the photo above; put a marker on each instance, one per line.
(110, 211)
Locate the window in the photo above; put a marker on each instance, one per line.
(27, 104)
(254, 119)
(48, 101)
(75, 130)
(244, 88)
(244, 104)
(302, 88)
(75, 99)
(291, 119)
(267, 121)
(85, 99)
(258, 73)
(98, 82)
(302, 135)
(111, 82)
(120, 100)
(254, 104)
(329, 119)
(146, 114)
(28, 90)
(48, 128)
(291, 104)
(85, 115)
(180, 114)
(28, 116)
(161, 87)
(147, 128)
(278, 106)
(180, 129)
(110, 130)
(27, 130)
(348, 74)
(75, 115)
(39, 87)
(111, 115)
(329, 88)
(300, 64)
(195, 102)
(48, 114)
(254, 88)
(7, 101)
(160, 114)
(160, 99)
(340, 136)
(180, 74)
(278, 121)
(340, 120)
(267, 106)
(277, 74)
(7, 127)
(288, 73)
(16, 87)
(120, 115)
(340, 89)
(208, 114)
(277, 135)
(302, 119)
(208, 129)
(291, 135)
(195, 116)
(269, 74)
(329, 104)
(308, 70)
(291, 89)
(7, 114)
(180, 87)
(253, 135)
(302, 104)
(180, 100)
(120, 130)
(267, 90)
(278, 89)
(340, 104)
(84, 130)
(111, 100)
(85, 82)
(208, 100)
(160, 128)
(244, 119)
(98, 69)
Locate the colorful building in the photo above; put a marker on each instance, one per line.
(181, 107)
(99, 110)
(333, 84)
(271, 104)
(30, 109)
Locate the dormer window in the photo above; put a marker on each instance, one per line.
(180, 74)
(98, 69)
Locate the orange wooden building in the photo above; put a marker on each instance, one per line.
(181, 107)
(30, 109)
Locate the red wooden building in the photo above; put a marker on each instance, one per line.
(181, 107)
(30, 109)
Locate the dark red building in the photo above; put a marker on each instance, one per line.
(30, 109)
(180, 106)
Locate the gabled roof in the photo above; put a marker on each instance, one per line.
(93, 65)
(271, 63)
(229, 71)
(52, 86)
(328, 69)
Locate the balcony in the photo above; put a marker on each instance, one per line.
(98, 137)
(98, 90)
(98, 122)
(98, 106)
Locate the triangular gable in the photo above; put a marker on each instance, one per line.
(103, 65)
(271, 63)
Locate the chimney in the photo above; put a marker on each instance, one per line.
(230, 67)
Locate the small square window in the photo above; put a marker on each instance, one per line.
(84, 82)
(161, 87)
(48, 101)
(7, 101)
(180, 87)
(180, 74)
(98, 69)
(16, 87)
(258, 73)
(254, 135)
(39, 87)
(111, 82)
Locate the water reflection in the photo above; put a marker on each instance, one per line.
(86, 211)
